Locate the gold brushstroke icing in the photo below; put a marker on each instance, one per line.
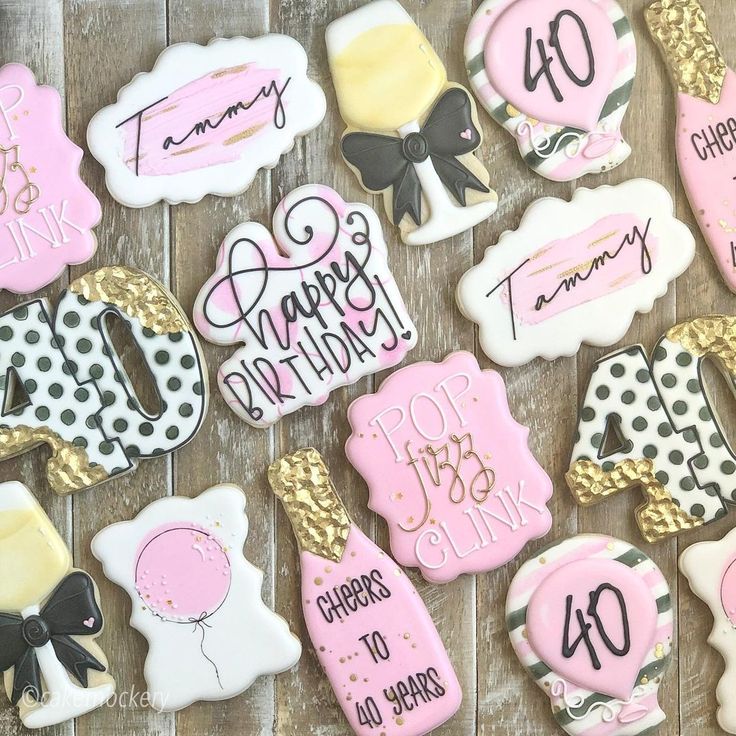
(320, 522)
(714, 335)
(680, 27)
(136, 294)
(68, 469)
(658, 518)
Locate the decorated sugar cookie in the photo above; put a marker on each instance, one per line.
(558, 76)
(411, 134)
(315, 305)
(50, 616)
(63, 384)
(195, 598)
(706, 122)
(650, 423)
(46, 211)
(575, 272)
(449, 468)
(710, 568)
(590, 618)
(371, 632)
(205, 119)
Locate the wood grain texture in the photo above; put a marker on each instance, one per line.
(88, 50)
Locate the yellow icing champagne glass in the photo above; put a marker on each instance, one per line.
(33, 561)
(387, 77)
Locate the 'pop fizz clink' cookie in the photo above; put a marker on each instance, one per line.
(46, 211)
(195, 598)
(449, 468)
(50, 616)
(205, 119)
(576, 272)
(590, 618)
(649, 423)
(370, 629)
(411, 134)
(315, 304)
(63, 384)
(558, 76)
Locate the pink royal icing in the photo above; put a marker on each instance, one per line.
(376, 642)
(46, 211)
(449, 468)
(706, 153)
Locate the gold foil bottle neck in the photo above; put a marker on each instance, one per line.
(319, 519)
(680, 27)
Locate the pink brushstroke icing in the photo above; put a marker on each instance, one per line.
(46, 211)
(208, 98)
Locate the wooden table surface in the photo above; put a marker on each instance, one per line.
(88, 49)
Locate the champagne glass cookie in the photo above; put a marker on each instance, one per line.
(411, 133)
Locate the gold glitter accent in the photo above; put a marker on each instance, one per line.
(659, 517)
(353, 678)
(318, 581)
(659, 651)
(680, 27)
(320, 522)
(511, 111)
(68, 469)
(229, 70)
(136, 294)
(243, 135)
(644, 680)
(191, 149)
(714, 335)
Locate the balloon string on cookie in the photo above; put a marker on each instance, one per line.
(611, 709)
(199, 624)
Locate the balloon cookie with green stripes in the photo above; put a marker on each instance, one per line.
(63, 383)
(558, 76)
(591, 620)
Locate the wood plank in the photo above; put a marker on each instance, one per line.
(106, 44)
(196, 234)
(36, 40)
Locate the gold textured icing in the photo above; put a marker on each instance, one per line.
(659, 517)
(68, 469)
(714, 335)
(136, 294)
(320, 522)
(680, 27)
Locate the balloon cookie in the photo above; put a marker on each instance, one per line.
(315, 305)
(49, 619)
(706, 121)
(710, 568)
(652, 424)
(449, 468)
(575, 272)
(46, 211)
(205, 119)
(558, 76)
(63, 384)
(590, 618)
(195, 598)
(370, 630)
(411, 134)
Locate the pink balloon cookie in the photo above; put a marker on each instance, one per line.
(371, 632)
(315, 304)
(591, 620)
(449, 468)
(706, 122)
(46, 211)
(558, 76)
(196, 598)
